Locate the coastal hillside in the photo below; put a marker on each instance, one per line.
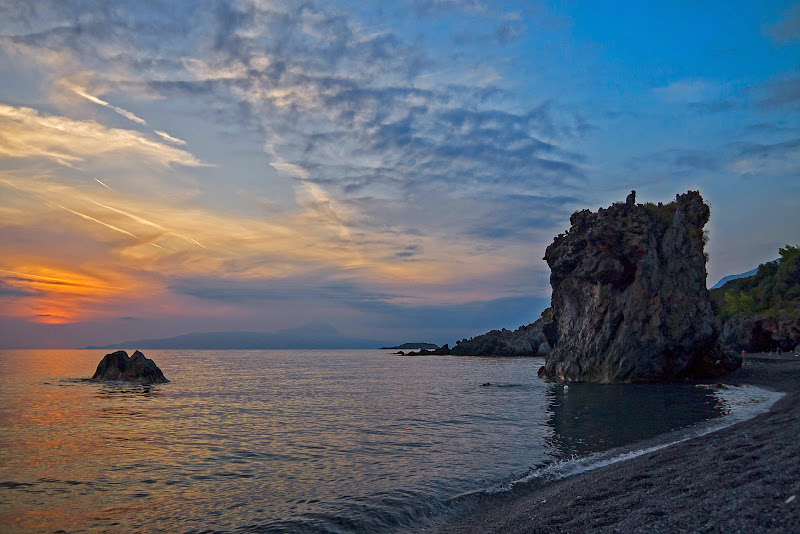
(762, 312)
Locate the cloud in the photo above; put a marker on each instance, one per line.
(313, 288)
(770, 150)
(744, 157)
(438, 8)
(347, 108)
(168, 137)
(699, 160)
(469, 318)
(771, 128)
(503, 33)
(127, 114)
(781, 93)
(376, 309)
(57, 295)
(713, 106)
(8, 290)
(403, 166)
(25, 133)
(787, 30)
(759, 158)
(689, 90)
(699, 95)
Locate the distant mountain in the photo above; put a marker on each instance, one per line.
(311, 336)
(412, 346)
(734, 277)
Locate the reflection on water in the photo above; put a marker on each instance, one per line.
(122, 390)
(588, 418)
(285, 441)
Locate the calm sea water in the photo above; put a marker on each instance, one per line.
(301, 441)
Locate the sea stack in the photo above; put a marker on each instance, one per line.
(137, 369)
(630, 302)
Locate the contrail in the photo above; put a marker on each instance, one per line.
(170, 138)
(125, 213)
(124, 112)
(145, 221)
(79, 214)
(195, 241)
(104, 185)
(88, 218)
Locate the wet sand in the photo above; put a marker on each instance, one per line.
(743, 478)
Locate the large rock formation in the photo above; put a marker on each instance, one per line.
(630, 302)
(137, 368)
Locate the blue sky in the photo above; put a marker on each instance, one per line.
(395, 169)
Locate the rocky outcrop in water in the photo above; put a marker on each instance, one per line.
(137, 368)
(629, 301)
(534, 339)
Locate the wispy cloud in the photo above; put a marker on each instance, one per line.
(168, 137)
(786, 30)
(103, 184)
(26, 133)
(127, 114)
(780, 93)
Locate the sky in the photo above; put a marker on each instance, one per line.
(393, 169)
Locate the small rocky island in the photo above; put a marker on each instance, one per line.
(630, 302)
(137, 369)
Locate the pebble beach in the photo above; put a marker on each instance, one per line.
(743, 478)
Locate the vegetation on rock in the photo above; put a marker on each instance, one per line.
(774, 290)
(761, 313)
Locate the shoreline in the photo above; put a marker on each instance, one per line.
(736, 479)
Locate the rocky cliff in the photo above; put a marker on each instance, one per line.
(629, 301)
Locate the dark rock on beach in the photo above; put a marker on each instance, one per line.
(761, 332)
(137, 368)
(630, 302)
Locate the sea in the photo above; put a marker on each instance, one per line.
(335, 441)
